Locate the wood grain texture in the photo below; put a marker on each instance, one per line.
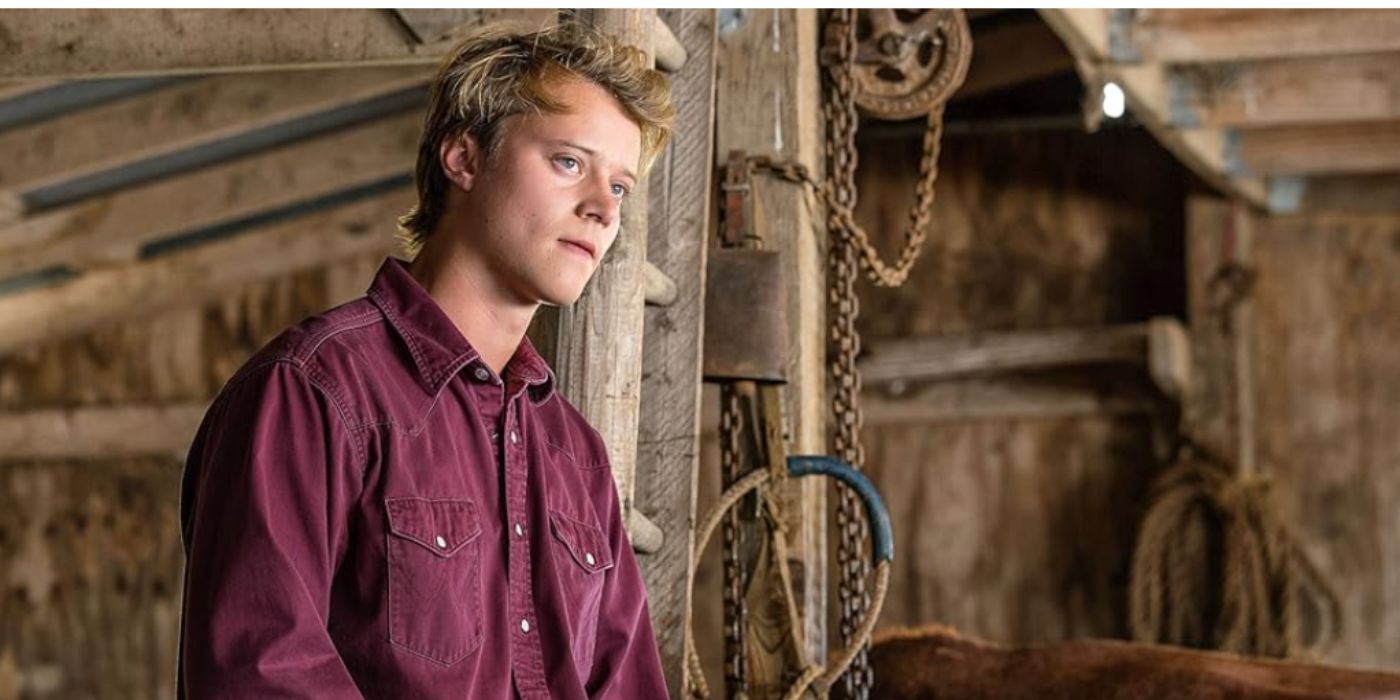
(1328, 395)
(668, 442)
(1363, 87)
(183, 116)
(768, 103)
(81, 42)
(1202, 36)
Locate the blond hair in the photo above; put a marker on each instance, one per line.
(502, 72)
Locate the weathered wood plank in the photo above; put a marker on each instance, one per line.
(1201, 36)
(1290, 91)
(597, 353)
(1363, 147)
(948, 357)
(110, 229)
(183, 117)
(201, 273)
(668, 443)
(83, 42)
(108, 432)
(768, 102)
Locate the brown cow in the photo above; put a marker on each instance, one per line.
(935, 663)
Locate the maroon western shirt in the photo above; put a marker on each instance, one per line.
(369, 511)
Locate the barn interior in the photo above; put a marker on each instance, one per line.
(1144, 343)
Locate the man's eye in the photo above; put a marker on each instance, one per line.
(569, 163)
(619, 191)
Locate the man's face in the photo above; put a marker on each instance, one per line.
(549, 200)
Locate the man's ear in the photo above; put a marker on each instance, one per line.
(461, 159)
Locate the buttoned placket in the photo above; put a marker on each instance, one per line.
(526, 650)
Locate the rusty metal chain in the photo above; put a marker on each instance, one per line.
(735, 613)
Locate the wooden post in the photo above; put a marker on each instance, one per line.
(596, 347)
(668, 441)
(1220, 412)
(768, 102)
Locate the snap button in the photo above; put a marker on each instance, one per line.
(442, 542)
(588, 558)
(482, 374)
(524, 625)
(514, 437)
(519, 530)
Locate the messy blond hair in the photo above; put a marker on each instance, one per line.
(502, 72)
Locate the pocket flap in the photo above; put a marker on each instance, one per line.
(586, 544)
(443, 526)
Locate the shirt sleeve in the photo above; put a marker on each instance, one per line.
(626, 663)
(267, 485)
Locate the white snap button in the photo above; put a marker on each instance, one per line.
(482, 374)
(519, 530)
(514, 437)
(524, 625)
(588, 558)
(441, 542)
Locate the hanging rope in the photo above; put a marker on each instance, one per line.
(1215, 568)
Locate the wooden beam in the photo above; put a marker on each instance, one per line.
(1365, 147)
(1087, 33)
(1204, 36)
(1344, 194)
(1001, 398)
(670, 52)
(598, 341)
(183, 117)
(768, 102)
(200, 274)
(74, 42)
(668, 440)
(104, 432)
(1290, 91)
(1011, 54)
(1156, 347)
(111, 229)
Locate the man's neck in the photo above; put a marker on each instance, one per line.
(488, 317)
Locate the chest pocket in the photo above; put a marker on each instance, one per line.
(434, 577)
(582, 555)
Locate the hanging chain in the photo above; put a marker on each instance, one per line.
(731, 456)
(850, 250)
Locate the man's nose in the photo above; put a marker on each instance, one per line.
(599, 204)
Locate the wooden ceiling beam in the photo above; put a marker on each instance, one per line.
(201, 273)
(185, 116)
(87, 42)
(1366, 147)
(1089, 33)
(1362, 87)
(1206, 36)
(110, 229)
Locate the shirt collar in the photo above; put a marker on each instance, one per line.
(438, 349)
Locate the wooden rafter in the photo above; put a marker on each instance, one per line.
(110, 229)
(1363, 87)
(1203, 36)
(1088, 34)
(201, 273)
(1322, 149)
(183, 117)
(80, 42)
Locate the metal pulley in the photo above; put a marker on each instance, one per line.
(906, 61)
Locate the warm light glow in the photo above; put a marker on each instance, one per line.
(1114, 102)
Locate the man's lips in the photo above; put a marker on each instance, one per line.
(584, 246)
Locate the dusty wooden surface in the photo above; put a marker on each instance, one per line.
(668, 432)
(1327, 381)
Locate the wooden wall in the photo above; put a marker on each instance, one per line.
(90, 556)
(1327, 380)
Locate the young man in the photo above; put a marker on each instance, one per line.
(391, 500)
